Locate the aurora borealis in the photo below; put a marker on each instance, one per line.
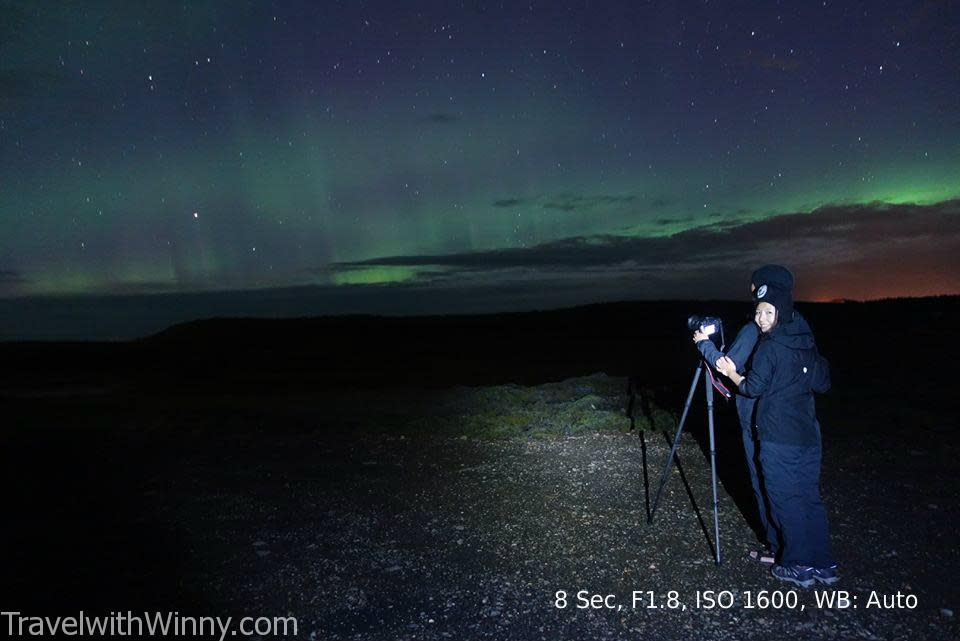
(557, 153)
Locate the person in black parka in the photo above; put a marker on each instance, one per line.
(740, 352)
(785, 371)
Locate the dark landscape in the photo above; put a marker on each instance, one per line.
(444, 477)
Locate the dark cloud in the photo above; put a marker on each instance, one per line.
(10, 276)
(572, 202)
(845, 247)
(772, 61)
(854, 252)
(442, 118)
(11, 282)
(152, 287)
(730, 222)
(662, 222)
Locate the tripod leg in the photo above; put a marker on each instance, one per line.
(676, 442)
(713, 466)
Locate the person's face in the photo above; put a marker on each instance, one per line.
(765, 317)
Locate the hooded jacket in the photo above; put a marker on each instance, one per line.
(741, 353)
(785, 371)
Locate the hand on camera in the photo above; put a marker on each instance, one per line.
(699, 336)
(725, 366)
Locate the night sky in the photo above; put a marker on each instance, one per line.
(489, 155)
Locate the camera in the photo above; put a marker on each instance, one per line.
(709, 325)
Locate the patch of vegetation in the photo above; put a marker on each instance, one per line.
(596, 403)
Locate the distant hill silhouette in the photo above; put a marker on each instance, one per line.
(862, 339)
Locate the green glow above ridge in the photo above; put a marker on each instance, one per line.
(374, 275)
(276, 203)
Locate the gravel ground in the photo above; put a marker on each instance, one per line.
(388, 515)
(394, 536)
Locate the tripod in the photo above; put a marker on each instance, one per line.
(709, 382)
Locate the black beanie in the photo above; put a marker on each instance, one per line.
(777, 296)
(773, 275)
